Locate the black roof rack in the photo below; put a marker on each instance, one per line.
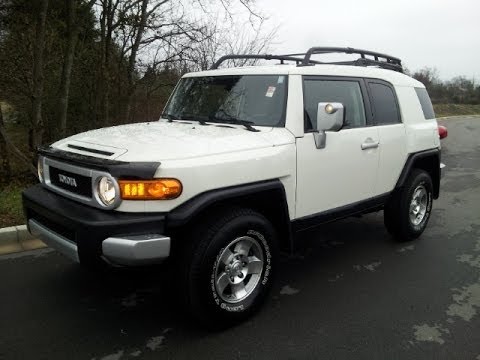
(282, 58)
(304, 59)
(381, 60)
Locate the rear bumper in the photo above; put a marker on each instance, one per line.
(79, 231)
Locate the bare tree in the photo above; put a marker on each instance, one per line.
(38, 78)
(112, 15)
(133, 30)
(138, 32)
(160, 24)
(237, 39)
(73, 29)
(108, 9)
(5, 170)
(5, 140)
(428, 76)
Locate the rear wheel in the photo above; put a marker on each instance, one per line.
(227, 270)
(407, 213)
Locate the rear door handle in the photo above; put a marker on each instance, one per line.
(370, 144)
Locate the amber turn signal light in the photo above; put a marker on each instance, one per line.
(158, 189)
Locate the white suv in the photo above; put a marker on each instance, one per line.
(241, 160)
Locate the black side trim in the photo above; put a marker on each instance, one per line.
(361, 207)
(186, 211)
(419, 156)
(119, 169)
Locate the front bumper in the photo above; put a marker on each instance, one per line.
(80, 232)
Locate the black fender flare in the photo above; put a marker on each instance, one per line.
(432, 158)
(255, 195)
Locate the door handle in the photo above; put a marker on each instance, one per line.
(370, 144)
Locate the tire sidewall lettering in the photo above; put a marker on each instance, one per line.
(244, 304)
(268, 255)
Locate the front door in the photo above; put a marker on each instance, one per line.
(345, 171)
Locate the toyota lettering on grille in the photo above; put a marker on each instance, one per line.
(67, 180)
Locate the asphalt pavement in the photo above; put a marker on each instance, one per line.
(350, 292)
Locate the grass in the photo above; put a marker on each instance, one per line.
(11, 212)
(455, 109)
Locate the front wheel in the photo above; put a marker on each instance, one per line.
(407, 213)
(229, 266)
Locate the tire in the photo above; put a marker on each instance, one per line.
(407, 212)
(228, 267)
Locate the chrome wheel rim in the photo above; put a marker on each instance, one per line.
(238, 269)
(418, 205)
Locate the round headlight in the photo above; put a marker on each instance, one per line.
(40, 169)
(106, 191)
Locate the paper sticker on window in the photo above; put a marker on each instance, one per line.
(280, 79)
(270, 91)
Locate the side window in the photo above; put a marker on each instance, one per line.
(385, 109)
(346, 92)
(425, 102)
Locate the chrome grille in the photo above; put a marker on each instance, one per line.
(75, 182)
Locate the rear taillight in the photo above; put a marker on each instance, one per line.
(442, 132)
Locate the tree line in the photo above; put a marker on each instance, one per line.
(459, 90)
(67, 66)
(71, 65)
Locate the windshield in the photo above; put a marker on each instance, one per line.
(257, 99)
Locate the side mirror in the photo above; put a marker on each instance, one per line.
(330, 117)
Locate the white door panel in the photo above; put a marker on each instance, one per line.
(393, 154)
(340, 174)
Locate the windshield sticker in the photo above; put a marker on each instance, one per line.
(280, 79)
(270, 91)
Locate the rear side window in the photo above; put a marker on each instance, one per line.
(426, 103)
(384, 104)
(346, 92)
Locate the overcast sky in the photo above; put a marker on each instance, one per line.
(444, 34)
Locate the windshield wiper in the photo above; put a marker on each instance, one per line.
(170, 117)
(232, 120)
(194, 118)
(216, 119)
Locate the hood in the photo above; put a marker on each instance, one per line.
(163, 140)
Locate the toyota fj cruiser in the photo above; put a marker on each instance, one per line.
(242, 159)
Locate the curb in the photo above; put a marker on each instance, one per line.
(16, 239)
(456, 117)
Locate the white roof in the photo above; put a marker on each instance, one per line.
(394, 77)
